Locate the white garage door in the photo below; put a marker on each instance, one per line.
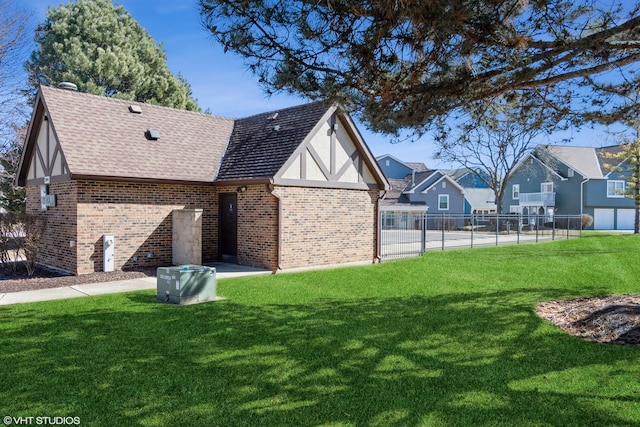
(603, 219)
(625, 219)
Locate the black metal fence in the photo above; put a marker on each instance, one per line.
(408, 234)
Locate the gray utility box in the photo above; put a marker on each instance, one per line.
(186, 284)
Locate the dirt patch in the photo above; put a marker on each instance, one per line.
(16, 280)
(610, 320)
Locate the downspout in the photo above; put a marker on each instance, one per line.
(582, 195)
(378, 255)
(272, 189)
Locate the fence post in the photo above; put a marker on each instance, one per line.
(423, 233)
(518, 227)
(536, 227)
(553, 228)
(442, 227)
(473, 216)
(580, 227)
(497, 226)
(379, 242)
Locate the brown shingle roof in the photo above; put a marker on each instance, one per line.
(261, 144)
(99, 136)
(102, 138)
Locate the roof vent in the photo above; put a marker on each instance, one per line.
(136, 109)
(68, 86)
(276, 128)
(152, 135)
(274, 116)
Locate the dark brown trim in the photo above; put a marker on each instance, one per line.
(353, 158)
(53, 180)
(303, 164)
(316, 157)
(250, 181)
(327, 184)
(333, 141)
(237, 182)
(37, 118)
(38, 157)
(273, 190)
(80, 177)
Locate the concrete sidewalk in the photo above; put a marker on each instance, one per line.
(223, 271)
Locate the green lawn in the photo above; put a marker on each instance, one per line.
(447, 339)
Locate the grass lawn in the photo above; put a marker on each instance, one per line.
(447, 339)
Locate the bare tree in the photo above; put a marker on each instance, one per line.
(15, 24)
(493, 137)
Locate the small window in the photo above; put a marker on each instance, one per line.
(515, 191)
(388, 220)
(387, 162)
(615, 188)
(444, 184)
(443, 202)
(546, 187)
(570, 173)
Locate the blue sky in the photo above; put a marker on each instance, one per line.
(220, 82)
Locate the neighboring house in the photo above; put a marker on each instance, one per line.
(469, 178)
(397, 169)
(433, 190)
(567, 180)
(291, 188)
(479, 198)
(403, 199)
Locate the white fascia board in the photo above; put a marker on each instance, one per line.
(448, 178)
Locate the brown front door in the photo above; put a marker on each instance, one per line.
(229, 227)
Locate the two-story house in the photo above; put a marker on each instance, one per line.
(414, 189)
(479, 198)
(568, 180)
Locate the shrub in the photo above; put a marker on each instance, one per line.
(11, 239)
(34, 227)
(21, 236)
(587, 220)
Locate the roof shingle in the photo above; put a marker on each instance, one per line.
(261, 144)
(102, 137)
(99, 136)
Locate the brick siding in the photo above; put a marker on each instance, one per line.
(323, 226)
(57, 250)
(258, 228)
(319, 226)
(139, 216)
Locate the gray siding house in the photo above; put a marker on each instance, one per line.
(394, 168)
(565, 180)
(434, 191)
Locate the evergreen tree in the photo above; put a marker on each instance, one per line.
(403, 64)
(618, 105)
(104, 51)
(626, 159)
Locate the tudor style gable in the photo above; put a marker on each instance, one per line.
(43, 160)
(332, 155)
